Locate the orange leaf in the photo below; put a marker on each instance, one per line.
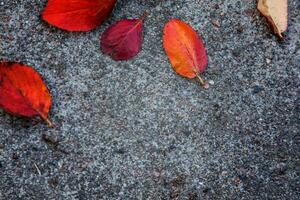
(77, 15)
(22, 91)
(184, 49)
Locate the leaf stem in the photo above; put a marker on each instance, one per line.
(144, 15)
(48, 122)
(201, 80)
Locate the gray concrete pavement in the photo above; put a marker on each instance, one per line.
(135, 129)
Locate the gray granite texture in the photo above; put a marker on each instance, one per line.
(135, 129)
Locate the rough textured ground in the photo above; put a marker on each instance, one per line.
(136, 130)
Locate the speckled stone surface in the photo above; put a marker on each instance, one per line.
(136, 130)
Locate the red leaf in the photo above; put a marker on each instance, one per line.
(184, 49)
(22, 91)
(77, 15)
(123, 40)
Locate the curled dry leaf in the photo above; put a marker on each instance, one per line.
(276, 13)
(185, 50)
(123, 40)
(23, 92)
(77, 15)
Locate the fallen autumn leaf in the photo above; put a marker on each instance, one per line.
(23, 92)
(77, 15)
(123, 40)
(185, 50)
(276, 13)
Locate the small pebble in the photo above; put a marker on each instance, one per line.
(156, 174)
(206, 86)
(211, 82)
(216, 23)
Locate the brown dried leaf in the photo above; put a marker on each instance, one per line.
(276, 12)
